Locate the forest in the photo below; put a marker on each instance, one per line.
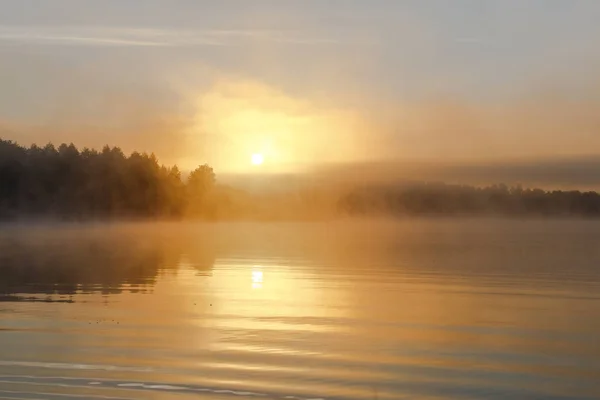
(70, 184)
(438, 199)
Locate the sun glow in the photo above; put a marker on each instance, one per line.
(243, 123)
(257, 159)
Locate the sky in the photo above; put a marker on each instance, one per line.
(305, 82)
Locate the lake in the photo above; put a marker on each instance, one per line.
(416, 309)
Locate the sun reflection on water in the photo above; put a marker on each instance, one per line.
(257, 278)
(291, 301)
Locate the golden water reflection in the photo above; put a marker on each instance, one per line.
(257, 277)
(270, 296)
(420, 310)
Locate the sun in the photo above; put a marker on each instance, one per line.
(257, 159)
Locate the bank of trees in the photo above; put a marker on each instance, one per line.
(68, 183)
(433, 199)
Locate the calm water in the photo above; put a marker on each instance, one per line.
(410, 310)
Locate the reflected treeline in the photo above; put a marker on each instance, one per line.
(442, 199)
(61, 262)
(68, 183)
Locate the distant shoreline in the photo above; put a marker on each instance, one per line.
(64, 184)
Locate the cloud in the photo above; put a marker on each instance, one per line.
(578, 172)
(552, 173)
(471, 40)
(77, 40)
(106, 36)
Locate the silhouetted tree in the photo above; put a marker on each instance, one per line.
(200, 184)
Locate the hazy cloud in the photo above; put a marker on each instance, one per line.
(551, 173)
(473, 40)
(107, 36)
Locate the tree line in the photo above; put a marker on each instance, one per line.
(68, 183)
(438, 199)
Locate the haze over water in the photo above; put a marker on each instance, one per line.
(446, 309)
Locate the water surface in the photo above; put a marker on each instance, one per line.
(414, 309)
